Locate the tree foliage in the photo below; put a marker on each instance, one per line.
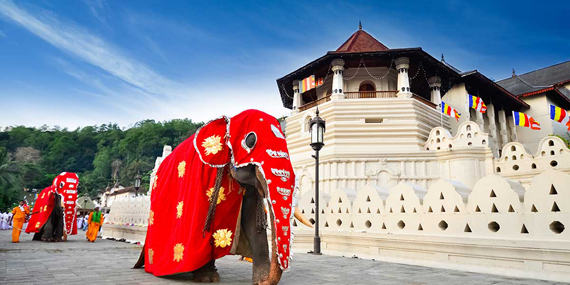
(101, 155)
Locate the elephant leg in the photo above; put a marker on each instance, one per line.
(58, 228)
(47, 234)
(57, 215)
(38, 235)
(207, 273)
(257, 239)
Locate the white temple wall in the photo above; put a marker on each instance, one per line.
(517, 163)
(558, 128)
(492, 227)
(457, 98)
(541, 113)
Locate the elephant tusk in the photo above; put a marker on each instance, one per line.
(302, 218)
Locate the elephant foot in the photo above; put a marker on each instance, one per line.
(207, 273)
(262, 281)
(207, 277)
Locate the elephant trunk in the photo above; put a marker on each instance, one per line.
(275, 271)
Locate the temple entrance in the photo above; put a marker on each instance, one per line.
(367, 90)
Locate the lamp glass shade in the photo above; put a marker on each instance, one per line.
(314, 133)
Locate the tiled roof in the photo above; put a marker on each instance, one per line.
(531, 82)
(361, 41)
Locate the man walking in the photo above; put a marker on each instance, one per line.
(19, 218)
(95, 221)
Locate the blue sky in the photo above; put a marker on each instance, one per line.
(85, 62)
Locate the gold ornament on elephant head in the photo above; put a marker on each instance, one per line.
(212, 144)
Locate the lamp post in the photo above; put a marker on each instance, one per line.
(137, 183)
(317, 129)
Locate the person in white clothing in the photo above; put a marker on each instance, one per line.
(79, 221)
(10, 215)
(3, 221)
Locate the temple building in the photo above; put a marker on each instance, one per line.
(381, 104)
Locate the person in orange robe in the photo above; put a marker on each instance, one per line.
(18, 220)
(95, 221)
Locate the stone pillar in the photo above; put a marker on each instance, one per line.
(338, 82)
(297, 101)
(504, 132)
(494, 142)
(480, 120)
(511, 124)
(435, 88)
(403, 65)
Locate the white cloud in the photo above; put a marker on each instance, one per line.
(2, 35)
(122, 89)
(90, 48)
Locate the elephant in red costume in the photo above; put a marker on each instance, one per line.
(208, 198)
(54, 213)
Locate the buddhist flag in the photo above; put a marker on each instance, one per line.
(320, 81)
(307, 84)
(477, 104)
(448, 110)
(560, 115)
(524, 120)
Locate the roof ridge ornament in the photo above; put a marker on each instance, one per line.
(359, 25)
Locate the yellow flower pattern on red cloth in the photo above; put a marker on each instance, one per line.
(150, 255)
(179, 208)
(181, 169)
(212, 144)
(222, 238)
(37, 224)
(151, 218)
(178, 252)
(155, 182)
(221, 195)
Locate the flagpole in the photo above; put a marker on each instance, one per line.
(514, 132)
(440, 115)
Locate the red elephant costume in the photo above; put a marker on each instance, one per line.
(64, 185)
(176, 239)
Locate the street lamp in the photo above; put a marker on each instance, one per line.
(137, 182)
(317, 129)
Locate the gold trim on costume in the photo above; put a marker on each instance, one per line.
(179, 209)
(221, 195)
(212, 144)
(181, 169)
(155, 182)
(151, 218)
(222, 238)
(178, 252)
(150, 255)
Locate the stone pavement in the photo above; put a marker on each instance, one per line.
(110, 262)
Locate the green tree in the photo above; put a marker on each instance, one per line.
(9, 173)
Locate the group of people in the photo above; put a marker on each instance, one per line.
(16, 221)
(6, 221)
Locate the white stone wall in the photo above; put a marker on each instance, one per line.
(517, 163)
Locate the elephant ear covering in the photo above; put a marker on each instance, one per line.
(66, 185)
(176, 241)
(42, 209)
(271, 156)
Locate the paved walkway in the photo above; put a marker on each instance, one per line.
(110, 262)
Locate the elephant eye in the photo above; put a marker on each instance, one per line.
(249, 141)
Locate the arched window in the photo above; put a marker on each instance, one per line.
(367, 89)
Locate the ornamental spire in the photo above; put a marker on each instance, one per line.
(359, 25)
